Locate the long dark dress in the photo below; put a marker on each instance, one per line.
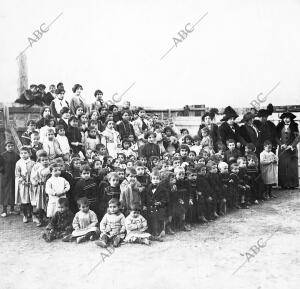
(288, 159)
(7, 177)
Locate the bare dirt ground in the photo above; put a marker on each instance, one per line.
(206, 257)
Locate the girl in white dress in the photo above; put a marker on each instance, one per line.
(111, 139)
(269, 168)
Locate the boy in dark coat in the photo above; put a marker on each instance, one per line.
(232, 154)
(8, 161)
(155, 202)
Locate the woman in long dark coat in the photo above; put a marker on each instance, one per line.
(288, 135)
(8, 161)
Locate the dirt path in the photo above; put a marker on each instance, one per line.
(206, 257)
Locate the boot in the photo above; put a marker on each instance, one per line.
(169, 230)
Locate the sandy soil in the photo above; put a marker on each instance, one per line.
(207, 257)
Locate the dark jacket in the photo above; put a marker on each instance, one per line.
(227, 133)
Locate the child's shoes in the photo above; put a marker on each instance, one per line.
(25, 219)
(116, 241)
(80, 239)
(101, 244)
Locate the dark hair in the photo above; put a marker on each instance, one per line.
(267, 143)
(130, 171)
(230, 141)
(76, 86)
(73, 117)
(59, 127)
(138, 164)
(97, 92)
(31, 122)
(250, 146)
(85, 168)
(64, 110)
(63, 202)
(83, 201)
(148, 134)
(54, 165)
(42, 86)
(114, 201)
(59, 91)
(50, 118)
(184, 147)
(43, 110)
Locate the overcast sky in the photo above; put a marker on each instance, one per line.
(237, 51)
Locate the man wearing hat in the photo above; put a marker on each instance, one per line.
(212, 128)
(229, 129)
(248, 131)
(267, 130)
(288, 136)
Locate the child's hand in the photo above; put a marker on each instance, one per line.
(231, 181)
(144, 208)
(141, 189)
(191, 202)
(210, 198)
(157, 203)
(238, 144)
(247, 186)
(199, 193)
(181, 201)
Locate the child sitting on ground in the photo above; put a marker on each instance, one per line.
(136, 225)
(85, 223)
(60, 225)
(112, 226)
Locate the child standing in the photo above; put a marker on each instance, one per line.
(156, 199)
(136, 226)
(130, 191)
(23, 187)
(56, 187)
(112, 226)
(111, 138)
(60, 225)
(26, 136)
(151, 148)
(8, 161)
(63, 141)
(39, 174)
(269, 168)
(36, 145)
(87, 187)
(85, 223)
(232, 154)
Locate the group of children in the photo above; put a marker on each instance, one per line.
(95, 176)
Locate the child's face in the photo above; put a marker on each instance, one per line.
(155, 162)
(231, 146)
(56, 172)
(224, 169)
(131, 138)
(84, 208)
(35, 139)
(188, 141)
(176, 163)
(94, 116)
(113, 208)
(213, 169)
(183, 152)
(192, 156)
(99, 96)
(92, 132)
(151, 138)
(114, 181)
(143, 161)
(61, 132)
(79, 111)
(202, 171)
(235, 169)
(110, 117)
(110, 125)
(44, 161)
(74, 123)
(131, 179)
(50, 135)
(76, 164)
(115, 110)
(46, 112)
(176, 155)
(129, 165)
(201, 161)
(192, 177)
(242, 163)
(205, 155)
(121, 175)
(24, 155)
(85, 175)
(180, 175)
(140, 171)
(102, 151)
(168, 133)
(155, 180)
(103, 111)
(83, 119)
(126, 145)
(61, 95)
(31, 127)
(268, 148)
(61, 208)
(10, 147)
(121, 158)
(97, 165)
(66, 115)
(204, 133)
(117, 163)
(134, 214)
(251, 163)
(247, 150)
(51, 123)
